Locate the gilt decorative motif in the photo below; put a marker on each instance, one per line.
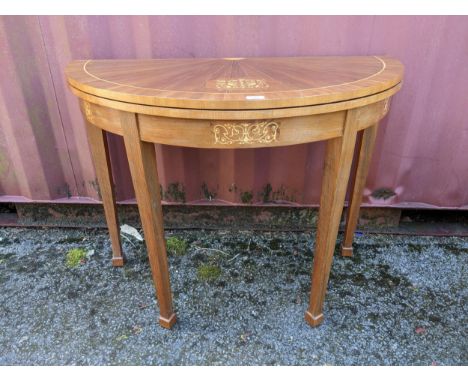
(88, 112)
(241, 83)
(386, 106)
(244, 133)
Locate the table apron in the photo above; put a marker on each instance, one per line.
(248, 133)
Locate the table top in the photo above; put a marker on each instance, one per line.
(236, 83)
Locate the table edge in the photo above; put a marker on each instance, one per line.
(347, 92)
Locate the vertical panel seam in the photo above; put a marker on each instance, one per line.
(57, 103)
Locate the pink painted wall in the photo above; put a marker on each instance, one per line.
(422, 149)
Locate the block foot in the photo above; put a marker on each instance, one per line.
(118, 261)
(168, 323)
(346, 251)
(313, 320)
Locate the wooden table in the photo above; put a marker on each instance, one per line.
(235, 103)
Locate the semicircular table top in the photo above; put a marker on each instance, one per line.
(236, 83)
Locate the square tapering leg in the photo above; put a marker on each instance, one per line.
(142, 160)
(100, 153)
(336, 169)
(365, 148)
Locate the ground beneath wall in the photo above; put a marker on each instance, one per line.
(240, 298)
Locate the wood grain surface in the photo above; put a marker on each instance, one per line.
(142, 161)
(236, 83)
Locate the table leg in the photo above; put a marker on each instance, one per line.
(100, 154)
(337, 166)
(142, 161)
(365, 148)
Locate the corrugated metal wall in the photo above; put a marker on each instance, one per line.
(422, 149)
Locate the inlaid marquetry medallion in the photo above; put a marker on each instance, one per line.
(88, 112)
(244, 133)
(386, 106)
(238, 83)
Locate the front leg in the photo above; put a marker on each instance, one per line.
(142, 161)
(336, 169)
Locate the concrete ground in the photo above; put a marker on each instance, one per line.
(240, 299)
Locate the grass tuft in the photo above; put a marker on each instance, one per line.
(176, 246)
(208, 272)
(75, 256)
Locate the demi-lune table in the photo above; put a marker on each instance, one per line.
(236, 103)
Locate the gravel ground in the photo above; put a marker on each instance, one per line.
(399, 301)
